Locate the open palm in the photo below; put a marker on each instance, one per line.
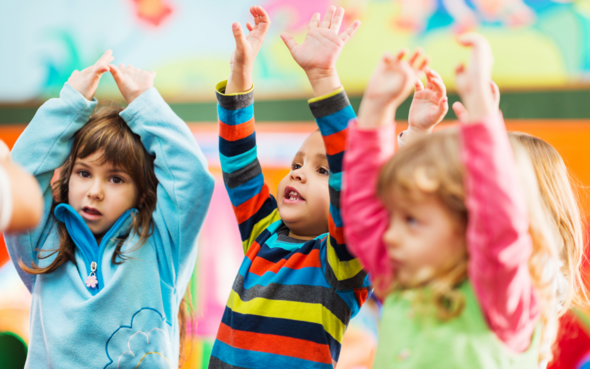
(430, 104)
(322, 45)
(248, 46)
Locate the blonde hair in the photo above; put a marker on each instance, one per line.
(432, 165)
(561, 201)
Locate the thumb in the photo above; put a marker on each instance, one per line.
(241, 40)
(117, 74)
(289, 41)
(460, 111)
(100, 69)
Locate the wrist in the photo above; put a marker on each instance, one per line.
(323, 81)
(239, 81)
(375, 115)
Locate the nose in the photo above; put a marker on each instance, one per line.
(298, 175)
(96, 192)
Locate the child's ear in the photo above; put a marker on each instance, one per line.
(140, 202)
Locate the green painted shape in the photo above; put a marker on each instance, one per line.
(564, 28)
(559, 104)
(207, 349)
(13, 351)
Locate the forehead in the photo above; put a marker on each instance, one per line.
(312, 146)
(97, 160)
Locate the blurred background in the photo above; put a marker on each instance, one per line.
(542, 53)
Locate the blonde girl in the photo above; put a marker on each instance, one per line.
(109, 263)
(452, 244)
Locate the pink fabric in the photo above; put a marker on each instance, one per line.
(497, 233)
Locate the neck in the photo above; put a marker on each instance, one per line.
(304, 238)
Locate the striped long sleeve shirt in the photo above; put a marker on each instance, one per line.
(291, 300)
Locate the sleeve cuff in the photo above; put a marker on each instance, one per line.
(220, 89)
(75, 99)
(316, 99)
(5, 200)
(233, 101)
(142, 105)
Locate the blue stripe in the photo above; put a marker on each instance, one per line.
(235, 148)
(231, 164)
(336, 216)
(246, 191)
(336, 122)
(350, 299)
(335, 162)
(335, 181)
(245, 267)
(261, 360)
(235, 117)
(289, 277)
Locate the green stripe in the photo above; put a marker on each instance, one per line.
(560, 104)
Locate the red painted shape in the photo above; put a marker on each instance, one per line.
(3, 252)
(573, 343)
(152, 11)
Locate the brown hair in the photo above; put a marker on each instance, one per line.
(106, 131)
(432, 165)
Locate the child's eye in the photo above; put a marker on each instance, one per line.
(411, 221)
(83, 174)
(117, 180)
(323, 171)
(295, 166)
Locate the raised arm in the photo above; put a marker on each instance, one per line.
(255, 208)
(185, 186)
(371, 143)
(498, 237)
(45, 145)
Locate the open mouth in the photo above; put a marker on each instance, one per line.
(291, 195)
(91, 213)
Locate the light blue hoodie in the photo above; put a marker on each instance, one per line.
(130, 319)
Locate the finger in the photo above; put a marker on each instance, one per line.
(315, 20)
(496, 93)
(350, 31)
(401, 54)
(481, 48)
(436, 83)
(415, 56)
(249, 26)
(423, 64)
(460, 111)
(460, 69)
(116, 73)
(261, 19)
(337, 21)
(106, 58)
(100, 69)
(419, 86)
(289, 41)
(239, 36)
(327, 21)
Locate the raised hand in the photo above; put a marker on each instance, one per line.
(319, 52)
(473, 82)
(247, 48)
(390, 85)
(132, 82)
(461, 112)
(86, 81)
(430, 104)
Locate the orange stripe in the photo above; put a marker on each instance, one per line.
(237, 132)
(336, 142)
(253, 250)
(274, 344)
(296, 261)
(245, 210)
(361, 295)
(335, 232)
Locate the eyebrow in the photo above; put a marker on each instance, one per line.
(115, 170)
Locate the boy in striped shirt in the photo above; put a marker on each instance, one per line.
(298, 287)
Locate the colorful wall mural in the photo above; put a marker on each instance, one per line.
(537, 43)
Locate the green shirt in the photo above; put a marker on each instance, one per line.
(411, 340)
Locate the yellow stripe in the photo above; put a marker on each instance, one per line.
(223, 84)
(342, 269)
(259, 227)
(300, 311)
(325, 96)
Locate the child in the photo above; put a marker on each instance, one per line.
(112, 257)
(21, 204)
(454, 241)
(297, 287)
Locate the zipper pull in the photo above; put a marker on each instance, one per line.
(91, 281)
